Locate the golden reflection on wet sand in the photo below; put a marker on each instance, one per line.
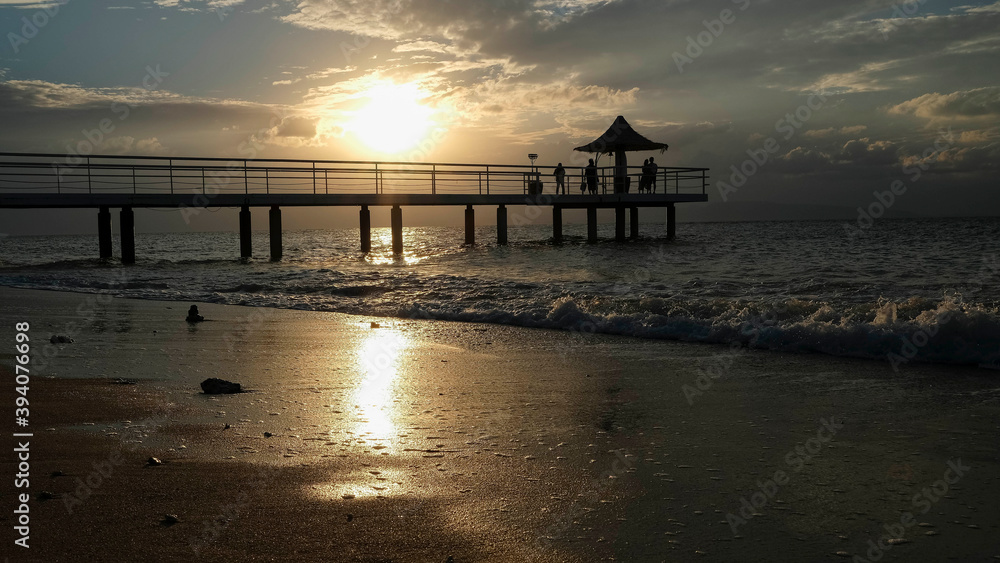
(379, 359)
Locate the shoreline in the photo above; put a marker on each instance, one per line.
(892, 358)
(417, 441)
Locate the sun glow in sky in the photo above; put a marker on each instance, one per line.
(393, 118)
(489, 82)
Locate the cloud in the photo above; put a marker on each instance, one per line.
(126, 144)
(869, 153)
(429, 46)
(296, 127)
(467, 21)
(834, 131)
(42, 94)
(970, 104)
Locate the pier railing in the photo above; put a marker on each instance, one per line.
(39, 173)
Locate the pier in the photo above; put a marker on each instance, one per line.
(50, 181)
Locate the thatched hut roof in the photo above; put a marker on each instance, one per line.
(621, 137)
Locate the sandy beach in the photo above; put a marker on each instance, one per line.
(429, 441)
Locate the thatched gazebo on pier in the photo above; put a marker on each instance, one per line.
(617, 140)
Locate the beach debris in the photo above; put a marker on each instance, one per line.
(897, 541)
(193, 316)
(226, 427)
(169, 520)
(46, 495)
(350, 517)
(376, 325)
(153, 462)
(268, 434)
(57, 473)
(60, 339)
(216, 386)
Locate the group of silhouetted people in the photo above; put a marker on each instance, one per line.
(647, 180)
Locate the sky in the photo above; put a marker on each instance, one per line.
(802, 109)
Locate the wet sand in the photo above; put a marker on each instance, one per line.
(421, 440)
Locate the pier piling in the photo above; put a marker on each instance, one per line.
(502, 225)
(275, 220)
(671, 221)
(591, 224)
(397, 229)
(246, 239)
(470, 225)
(127, 228)
(619, 224)
(366, 229)
(104, 232)
(633, 223)
(557, 234)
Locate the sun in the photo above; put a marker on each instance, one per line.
(393, 120)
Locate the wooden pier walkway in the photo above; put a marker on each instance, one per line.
(34, 180)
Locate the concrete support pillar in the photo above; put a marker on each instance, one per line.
(620, 224)
(246, 237)
(502, 225)
(104, 232)
(366, 229)
(397, 229)
(275, 223)
(633, 223)
(591, 224)
(127, 228)
(470, 225)
(557, 224)
(671, 221)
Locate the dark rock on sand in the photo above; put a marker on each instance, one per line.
(193, 316)
(154, 461)
(216, 386)
(60, 339)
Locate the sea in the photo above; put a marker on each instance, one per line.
(907, 290)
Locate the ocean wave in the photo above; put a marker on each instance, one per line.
(918, 330)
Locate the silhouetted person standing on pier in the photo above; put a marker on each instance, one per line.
(591, 174)
(560, 174)
(653, 169)
(644, 178)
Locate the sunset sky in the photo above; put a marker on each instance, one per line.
(854, 93)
